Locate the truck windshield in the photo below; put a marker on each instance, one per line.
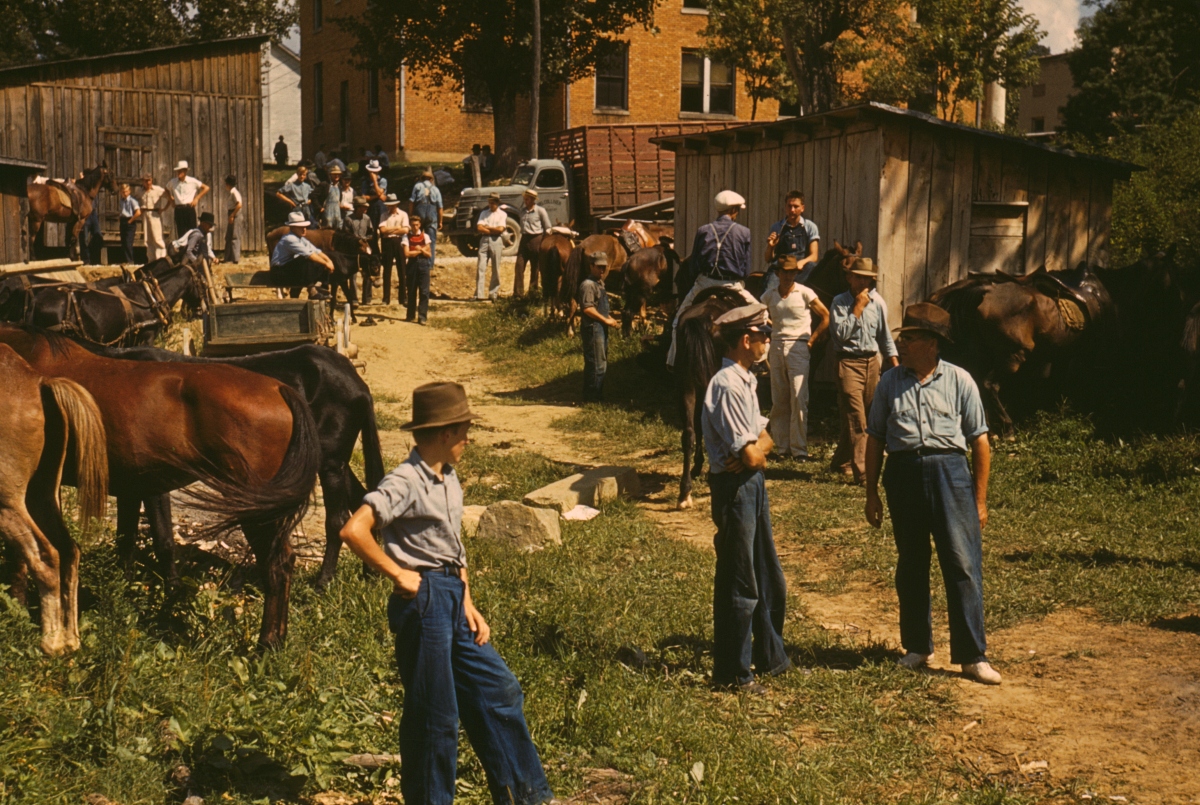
(524, 175)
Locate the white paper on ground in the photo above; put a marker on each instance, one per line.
(580, 512)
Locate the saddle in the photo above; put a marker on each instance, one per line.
(1077, 288)
(630, 241)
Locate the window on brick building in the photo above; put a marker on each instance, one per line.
(476, 97)
(696, 5)
(318, 93)
(344, 110)
(706, 86)
(1037, 124)
(1039, 90)
(612, 79)
(318, 14)
(373, 90)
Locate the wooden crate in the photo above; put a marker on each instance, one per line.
(242, 328)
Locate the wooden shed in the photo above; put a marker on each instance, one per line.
(142, 112)
(930, 200)
(14, 173)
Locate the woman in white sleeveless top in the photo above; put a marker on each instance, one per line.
(791, 307)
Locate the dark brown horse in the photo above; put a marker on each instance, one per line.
(68, 202)
(554, 250)
(250, 439)
(578, 266)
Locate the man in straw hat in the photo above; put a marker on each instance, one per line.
(535, 222)
(858, 331)
(720, 256)
(296, 262)
(392, 230)
(491, 225)
(185, 193)
(447, 664)
(927, 412)
(749, 589)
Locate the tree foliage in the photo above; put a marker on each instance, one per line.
(487, 43)
(1138, 63)
(740, 33)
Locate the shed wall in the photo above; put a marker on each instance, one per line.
(142, 116)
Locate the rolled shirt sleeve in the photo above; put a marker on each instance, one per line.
(390, 499)
(877, 417)
(970, 406)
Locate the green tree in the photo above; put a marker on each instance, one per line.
(206, 20)
(740, 33)
(1138, 63)
(487, 43)
(21, 37)
(96, 27)
(957, 47)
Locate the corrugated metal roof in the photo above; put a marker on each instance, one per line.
(720, 139)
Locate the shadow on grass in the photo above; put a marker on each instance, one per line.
(1182, 623)
(1101, 557)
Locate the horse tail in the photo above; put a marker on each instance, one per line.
(696, 354)
(282, 501)
(86, 427)
(372, 451)
(569, 281)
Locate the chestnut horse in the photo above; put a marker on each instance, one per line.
(553, 250)
(250, 439)
(67, 203)
(42, 420)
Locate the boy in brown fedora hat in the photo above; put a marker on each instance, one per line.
(927, 412)
(449, 669)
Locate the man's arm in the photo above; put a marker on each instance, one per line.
(981, 463)
(753, 456)
(356, 533)
(475, 621)
(594, 313)
(279, 195)
(874, 508)
(137, 213)
(811, 257)
(203, 191)
(823, 314)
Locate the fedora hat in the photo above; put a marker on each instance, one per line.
(373, 166)
(391, 200)
(331, 169)
(493, 197)
(927, 317)
(864, 267)
(181, 165)
(361, 201)
(296, 218)
(436, 405)
(207, 218)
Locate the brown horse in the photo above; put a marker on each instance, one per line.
(68, 202)
(42, 420)
(578, 265)
(554, 250)
(250, 439)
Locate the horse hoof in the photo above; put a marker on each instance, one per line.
(686, 503)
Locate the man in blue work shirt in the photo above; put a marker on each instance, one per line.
(927, 412)
(858, 331)
(792, 235)
(749, 592)
(721, 252)
(296, 262)
(426, 203)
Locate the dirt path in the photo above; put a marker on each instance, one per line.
(1114, 711)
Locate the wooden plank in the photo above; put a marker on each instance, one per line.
(1077, 241)
(807, 181)
(917, 224)
(941, 214)
(893, 209)
(1100, 219)
(836, 211)
(1035, 217)
(988, 173)
(1015, 174)
(869, 175)
(1058, 214)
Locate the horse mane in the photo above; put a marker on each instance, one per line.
(92, 177)
(60, 345)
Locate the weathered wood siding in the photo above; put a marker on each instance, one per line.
(143, 112)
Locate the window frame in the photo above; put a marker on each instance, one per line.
(373, 89)
(344, 110)
(706, 65)
(319, 93)
(700, 7)
(318, 8)
(608, 108)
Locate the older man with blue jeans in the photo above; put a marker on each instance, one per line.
(927, 412)
(749, 590)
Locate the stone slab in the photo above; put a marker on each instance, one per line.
(525, 527)
(590, 488)
(470, 521)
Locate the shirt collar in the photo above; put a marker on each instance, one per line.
(738, 369)
(427, 472)
(934, 375)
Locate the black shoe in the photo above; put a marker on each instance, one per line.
(423, 323)
(368, 322)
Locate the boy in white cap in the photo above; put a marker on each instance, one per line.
(186, 192)
(720, 256)
(749, 592)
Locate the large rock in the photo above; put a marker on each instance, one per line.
(523, 526)
(591, 488)
(470, 521)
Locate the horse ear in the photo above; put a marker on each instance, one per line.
(839, 247)
(858, 248)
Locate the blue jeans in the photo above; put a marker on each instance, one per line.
(447, 677)
(595, 360)
(749, 593)
(934, 495)
(417, 283)
(127, 232)
(432, 233)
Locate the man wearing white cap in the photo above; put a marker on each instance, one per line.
(296, 261)
(720, 256)
(535, 222)
(186, 192)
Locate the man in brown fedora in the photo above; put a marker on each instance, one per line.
(858, 331)
(448, 667)
(927, 412)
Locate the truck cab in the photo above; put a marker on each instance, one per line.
(549, 177)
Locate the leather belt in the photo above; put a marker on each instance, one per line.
(921, 452)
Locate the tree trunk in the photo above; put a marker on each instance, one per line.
(535, 94)
(796, 68)
(505, 133)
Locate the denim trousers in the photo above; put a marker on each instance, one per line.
(127, 232)
(749, 592)
(417, 282)
(934, 495)
(447, 678)
(595, 360)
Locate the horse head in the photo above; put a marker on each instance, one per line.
(828, 277)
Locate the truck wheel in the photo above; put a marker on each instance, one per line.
(511, 238)
(467, 245)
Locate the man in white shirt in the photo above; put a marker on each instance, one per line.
(492, 223)
(233, 237)
(392, 230)
(186, 192)
(154, 200)
(535, 222)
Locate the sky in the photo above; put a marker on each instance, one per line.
(1059, 20)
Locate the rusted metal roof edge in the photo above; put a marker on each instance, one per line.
(17, 162)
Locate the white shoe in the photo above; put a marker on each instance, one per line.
(982, 672)
(912, 660)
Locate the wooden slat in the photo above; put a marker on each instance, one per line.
(1058, 215)
(1015, 176)
(1035, 217)
(988, 172)
(1077, 242)
(835, 213)
(941, 215)
(1099, 219)
(893, 209)
(917, 224)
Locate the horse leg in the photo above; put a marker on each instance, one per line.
(158, 515)
(35, 226)
(688, 439)
(275, 561)
(129, 511)
(43, 560)
(992, 401)
(571, 310)
(73, 239)
(42, 500)
(335, 489)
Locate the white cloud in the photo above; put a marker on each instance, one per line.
(1059, 19)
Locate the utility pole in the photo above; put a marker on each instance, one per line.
(535, 95)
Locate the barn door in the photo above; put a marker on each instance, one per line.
(129, 153)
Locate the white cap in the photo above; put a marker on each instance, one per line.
(181, 165)
(373, 166)
(729, 200)
(296, 218)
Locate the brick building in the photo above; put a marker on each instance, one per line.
(1042, 101)
(657, 77)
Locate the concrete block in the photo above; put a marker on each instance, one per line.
(470, 523)
(525, 527)
(591, 488)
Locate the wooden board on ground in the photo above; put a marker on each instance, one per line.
(243, 328)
